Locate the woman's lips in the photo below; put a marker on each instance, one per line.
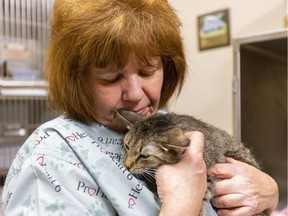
(144, 111)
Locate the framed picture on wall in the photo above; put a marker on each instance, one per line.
(214, 29)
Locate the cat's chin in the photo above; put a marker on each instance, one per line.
(149, 178)
(136, 172)
(143, 171)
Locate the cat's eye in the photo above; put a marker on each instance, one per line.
(144, 156)
(126, 146)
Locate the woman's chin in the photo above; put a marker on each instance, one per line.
(119, 128)
(117, 125)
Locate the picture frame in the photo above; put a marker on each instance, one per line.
(214, 29)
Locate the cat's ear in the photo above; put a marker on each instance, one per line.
(152, 148)
(129, 117)
(177, 139)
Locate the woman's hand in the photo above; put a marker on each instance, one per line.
(181, 186)
(244, 189)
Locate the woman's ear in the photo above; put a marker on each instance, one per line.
(129, 117)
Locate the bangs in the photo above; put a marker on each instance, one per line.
(130, 32)
(117, 51)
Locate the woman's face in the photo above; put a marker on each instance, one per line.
(135, 87)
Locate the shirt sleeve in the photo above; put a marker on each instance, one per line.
(50, 185)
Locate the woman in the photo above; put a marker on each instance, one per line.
(104, 55)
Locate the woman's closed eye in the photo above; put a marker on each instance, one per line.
(113, 79)
(147, 73)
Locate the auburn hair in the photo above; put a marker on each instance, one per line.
(103, 32)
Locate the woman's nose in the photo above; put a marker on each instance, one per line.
(132, 89)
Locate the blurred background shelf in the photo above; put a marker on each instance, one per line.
(23, 91)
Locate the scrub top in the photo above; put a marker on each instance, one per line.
(69, 168)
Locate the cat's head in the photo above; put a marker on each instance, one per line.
(151, 142)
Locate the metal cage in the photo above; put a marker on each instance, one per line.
(23, 107)
(23, 44)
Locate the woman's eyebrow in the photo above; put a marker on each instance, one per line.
(104, 72)
(106, 69)
(152, 64)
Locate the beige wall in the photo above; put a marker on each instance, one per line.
(207, 93)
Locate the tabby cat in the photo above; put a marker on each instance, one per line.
(151, 142)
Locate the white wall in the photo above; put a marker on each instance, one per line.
(207, 93)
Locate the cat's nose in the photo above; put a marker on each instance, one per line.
(128, 163)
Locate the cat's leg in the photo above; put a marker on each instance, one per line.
(203, 209)
(210, 187)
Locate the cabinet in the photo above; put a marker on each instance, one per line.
(260, 101)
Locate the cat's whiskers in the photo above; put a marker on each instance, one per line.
(148, 177)
(150, 173)
(156, 170)
(139, 175)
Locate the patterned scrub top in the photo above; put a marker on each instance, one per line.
(69, 168)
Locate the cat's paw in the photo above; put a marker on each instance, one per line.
(210, 187)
